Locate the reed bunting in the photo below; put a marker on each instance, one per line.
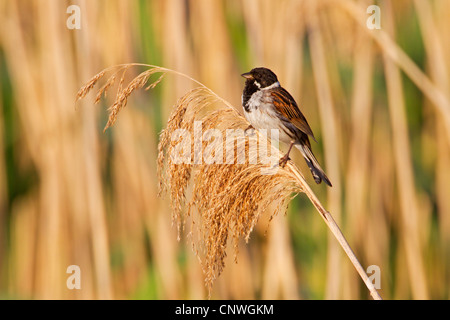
(267, 105)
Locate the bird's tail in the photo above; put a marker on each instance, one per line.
(317, 172)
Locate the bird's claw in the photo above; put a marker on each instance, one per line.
(283, 161)
(249, 131)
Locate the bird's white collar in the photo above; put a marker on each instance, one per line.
(273, 85)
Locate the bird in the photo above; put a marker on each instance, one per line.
(267, 105)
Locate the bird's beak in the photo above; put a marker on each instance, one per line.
(247, 75)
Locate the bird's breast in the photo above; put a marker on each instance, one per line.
(262, 115)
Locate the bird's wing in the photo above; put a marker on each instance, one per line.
(287, 107)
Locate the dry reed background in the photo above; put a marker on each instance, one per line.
(377, 100)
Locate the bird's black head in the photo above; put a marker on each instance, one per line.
(257, 79)
(260, 77)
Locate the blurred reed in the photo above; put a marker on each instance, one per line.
(378, 101)
(402, 156)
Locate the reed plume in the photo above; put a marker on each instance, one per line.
(223, 196)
